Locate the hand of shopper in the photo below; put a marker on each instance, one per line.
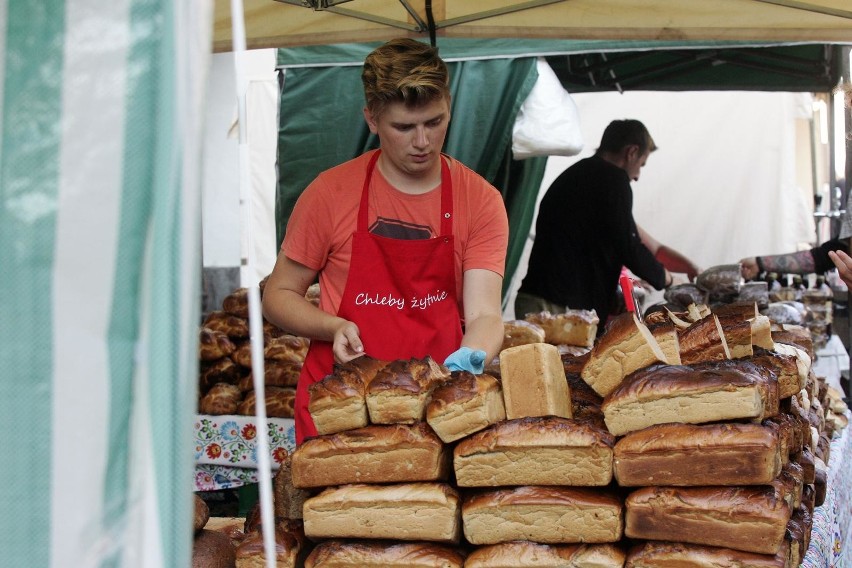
(843, 262)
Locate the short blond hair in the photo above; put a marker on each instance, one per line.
(404, 70)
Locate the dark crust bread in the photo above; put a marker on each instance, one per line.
(672, 554)
(413, 376)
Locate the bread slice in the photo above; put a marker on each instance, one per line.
(626, 346)
(535, 451)
(534, 382)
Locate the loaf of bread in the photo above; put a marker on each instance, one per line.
(572, 327)
(744, 311)
(696, 394)
(275, 374)
(534, 381)
(524, 554)
(338, 402)
(671, 554)
(222, 370)
(383, 554)
(626, 346)
(212, 549)
(374, 454)
(236, 303)
(521, 332)
(751, 519)
(213, 344)
(549, 515)
(543, 450)
(233, 326)
(791, 334)
(201, 514)
(695, 455)
(280, 402)
(286, 348)
(289, 542)
(465, 404)
(401, 390)
(704, 340)
(287, 500)
(222, 398)
(411, 511)
(786, 369)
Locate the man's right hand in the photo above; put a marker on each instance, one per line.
(347, 342)
(749, 268)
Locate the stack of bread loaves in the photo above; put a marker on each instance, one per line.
(693, 438)
(225, 379)
(722, 450)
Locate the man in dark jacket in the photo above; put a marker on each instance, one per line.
(585, 232)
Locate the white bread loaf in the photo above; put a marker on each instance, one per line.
(383, 554)
(682, 555)
(374, 454)
(534, 382)
(410, 511)
(547, 450)
(525, 554)
(705, 392)
(338, 402)
(549, 515)
(695, 455)
(751, 519)
(400, 391)
(572, 327)
(465, 404)
(626, 346)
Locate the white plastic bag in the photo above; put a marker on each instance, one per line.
(548, 123)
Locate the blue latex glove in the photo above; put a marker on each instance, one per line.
(466, 359)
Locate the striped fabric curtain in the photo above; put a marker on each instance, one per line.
(100, 113)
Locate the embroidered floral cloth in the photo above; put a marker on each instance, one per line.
(830, 546)
(226, 449)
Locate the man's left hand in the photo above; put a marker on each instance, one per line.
(466, 359)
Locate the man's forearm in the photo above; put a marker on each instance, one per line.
(801, 262)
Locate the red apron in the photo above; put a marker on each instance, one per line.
(400, 293)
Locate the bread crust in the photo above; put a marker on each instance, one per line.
(383, 554)
(465, 404)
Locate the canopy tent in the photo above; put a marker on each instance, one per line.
(282, 23)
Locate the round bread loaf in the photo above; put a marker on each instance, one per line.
(212, 549)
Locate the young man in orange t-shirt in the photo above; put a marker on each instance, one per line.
(409, 245)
